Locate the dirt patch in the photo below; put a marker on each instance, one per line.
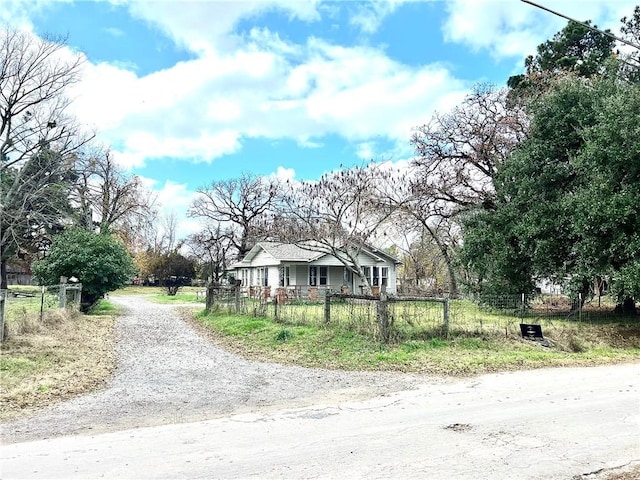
(626, 472)
(459, 427)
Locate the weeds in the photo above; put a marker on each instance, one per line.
(41, 358)
(283, 335)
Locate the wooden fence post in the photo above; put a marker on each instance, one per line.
(327, 307)
(62, 293)
(445, 315)
(383, 316)
(208, 303)
(3, 300)
(237, 298)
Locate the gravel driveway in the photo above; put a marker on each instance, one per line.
(168, 373)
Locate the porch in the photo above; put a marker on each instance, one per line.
(302, 292)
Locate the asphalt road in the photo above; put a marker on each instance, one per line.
(544, 424)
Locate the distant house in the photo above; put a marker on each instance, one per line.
(19, 273)
(300, 272)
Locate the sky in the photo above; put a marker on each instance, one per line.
(189, 92)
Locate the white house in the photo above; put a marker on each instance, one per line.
(270, 266)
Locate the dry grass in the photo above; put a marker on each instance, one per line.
(47, 361)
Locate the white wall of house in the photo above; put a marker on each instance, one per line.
(263, 259)
(299, 272)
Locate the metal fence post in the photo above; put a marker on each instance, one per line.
(580, 307)
(42, 289)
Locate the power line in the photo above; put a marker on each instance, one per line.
(590, 27)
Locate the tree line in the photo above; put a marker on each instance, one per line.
(536, 180)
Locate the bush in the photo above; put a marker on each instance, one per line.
(99, 261)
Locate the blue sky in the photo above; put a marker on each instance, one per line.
(187, 92)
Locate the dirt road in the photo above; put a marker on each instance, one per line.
(277, 421)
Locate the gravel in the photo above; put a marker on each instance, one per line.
(168, 373)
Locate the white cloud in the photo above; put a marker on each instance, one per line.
(285, 174)
(114, 31)
(515, 29)
(368, 16)
(201, 109)
(365, 150)
(175, 199)
(207, 26)
(174, 195)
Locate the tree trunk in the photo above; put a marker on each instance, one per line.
(627, 307)
(3, 274)
(453, 282)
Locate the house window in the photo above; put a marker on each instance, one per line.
(285, 277)
(244, 277)
(346, 276)
(384, 275)
(376, 276)
(262, 276)
(323, 275)
(366, 273)
(313, 275)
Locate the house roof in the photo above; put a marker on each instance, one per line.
(289, 252)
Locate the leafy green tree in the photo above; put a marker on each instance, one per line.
(608, 199)
(630, 58)
(568, 199)
(575, 50)
(99, 261)
(173, 270)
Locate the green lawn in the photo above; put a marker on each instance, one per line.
(465, 351)
(159, 294)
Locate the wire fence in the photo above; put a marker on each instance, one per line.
(28, 304)
(404, 318)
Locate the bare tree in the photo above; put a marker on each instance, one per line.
(342, 214)
(458, 153)
(37, 139)
(428, 252)
(213, 246)
(35, 74)
(241, 205)
(109, 197)
(457, 158)
(35, 204)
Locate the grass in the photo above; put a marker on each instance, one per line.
(465, 352)
(49, 359)
(159, 294)
(65, 353)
